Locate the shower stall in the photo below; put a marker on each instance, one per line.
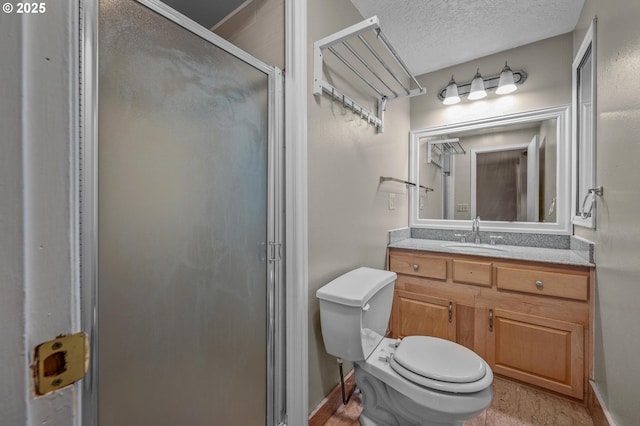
(181, 223)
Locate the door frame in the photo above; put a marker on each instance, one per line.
(533, 180)
(474, 167)
(278, 371)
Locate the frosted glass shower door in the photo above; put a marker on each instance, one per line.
(183, 184)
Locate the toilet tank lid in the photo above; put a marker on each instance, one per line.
(356, 287)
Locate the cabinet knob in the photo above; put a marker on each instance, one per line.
(416, 267)
(539, 284)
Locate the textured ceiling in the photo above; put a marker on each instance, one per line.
(205, 12)
(433, 34)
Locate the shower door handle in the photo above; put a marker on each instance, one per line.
(275, 251)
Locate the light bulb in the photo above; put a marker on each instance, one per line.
(506, 84)
(451, 96)
(477, 87)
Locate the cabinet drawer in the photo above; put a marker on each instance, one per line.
(569, 286)
(422, 266)
(469, 272)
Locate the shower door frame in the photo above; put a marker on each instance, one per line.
(88, 189)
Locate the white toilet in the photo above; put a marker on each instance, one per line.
(418, 380)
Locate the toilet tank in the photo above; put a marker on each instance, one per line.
(354, 312)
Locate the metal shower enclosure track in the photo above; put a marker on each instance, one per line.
(376, 64)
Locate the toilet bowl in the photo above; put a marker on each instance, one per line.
(418, 380)
(390, 398)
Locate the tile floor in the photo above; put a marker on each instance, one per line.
(513, 405)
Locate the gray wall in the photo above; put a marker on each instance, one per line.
(430, 175)
(462, 188)
(547, 63)
(257, 28)
(617, 237)
(350, 229)
(348, 215)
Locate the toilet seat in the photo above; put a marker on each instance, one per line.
(440, 365)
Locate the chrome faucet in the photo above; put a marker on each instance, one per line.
(475, 230)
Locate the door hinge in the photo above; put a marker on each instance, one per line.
(275, 251)
(60, 362)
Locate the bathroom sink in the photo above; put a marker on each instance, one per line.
(475, 247)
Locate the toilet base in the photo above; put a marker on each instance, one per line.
(383, 405)
(365, 421)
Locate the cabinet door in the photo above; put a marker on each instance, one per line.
(541, 351)
(419, 315)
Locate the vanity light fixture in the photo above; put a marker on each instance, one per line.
(506, 82)
(451, 95)
(477, 87)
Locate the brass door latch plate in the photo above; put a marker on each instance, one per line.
(61, 362)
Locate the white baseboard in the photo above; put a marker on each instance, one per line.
(601, 405)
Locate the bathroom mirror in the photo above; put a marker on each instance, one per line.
(513, 171)
(584, 132)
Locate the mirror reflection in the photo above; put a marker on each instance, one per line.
(503, 171)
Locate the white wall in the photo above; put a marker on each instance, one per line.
(39, 296)
(13, 391)
(348, 215)
(617, 330)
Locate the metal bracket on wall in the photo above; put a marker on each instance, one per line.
(384, 179)
(60, 362)
(593, 192)
(387, 64)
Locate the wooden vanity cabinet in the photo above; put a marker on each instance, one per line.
(425, 301)
(415, 311)
(530, 321)
(539, 350)
(418, 314)
(536, 325)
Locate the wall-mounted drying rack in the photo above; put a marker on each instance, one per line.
(342, 42)
(384, 179)
(438, 148)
